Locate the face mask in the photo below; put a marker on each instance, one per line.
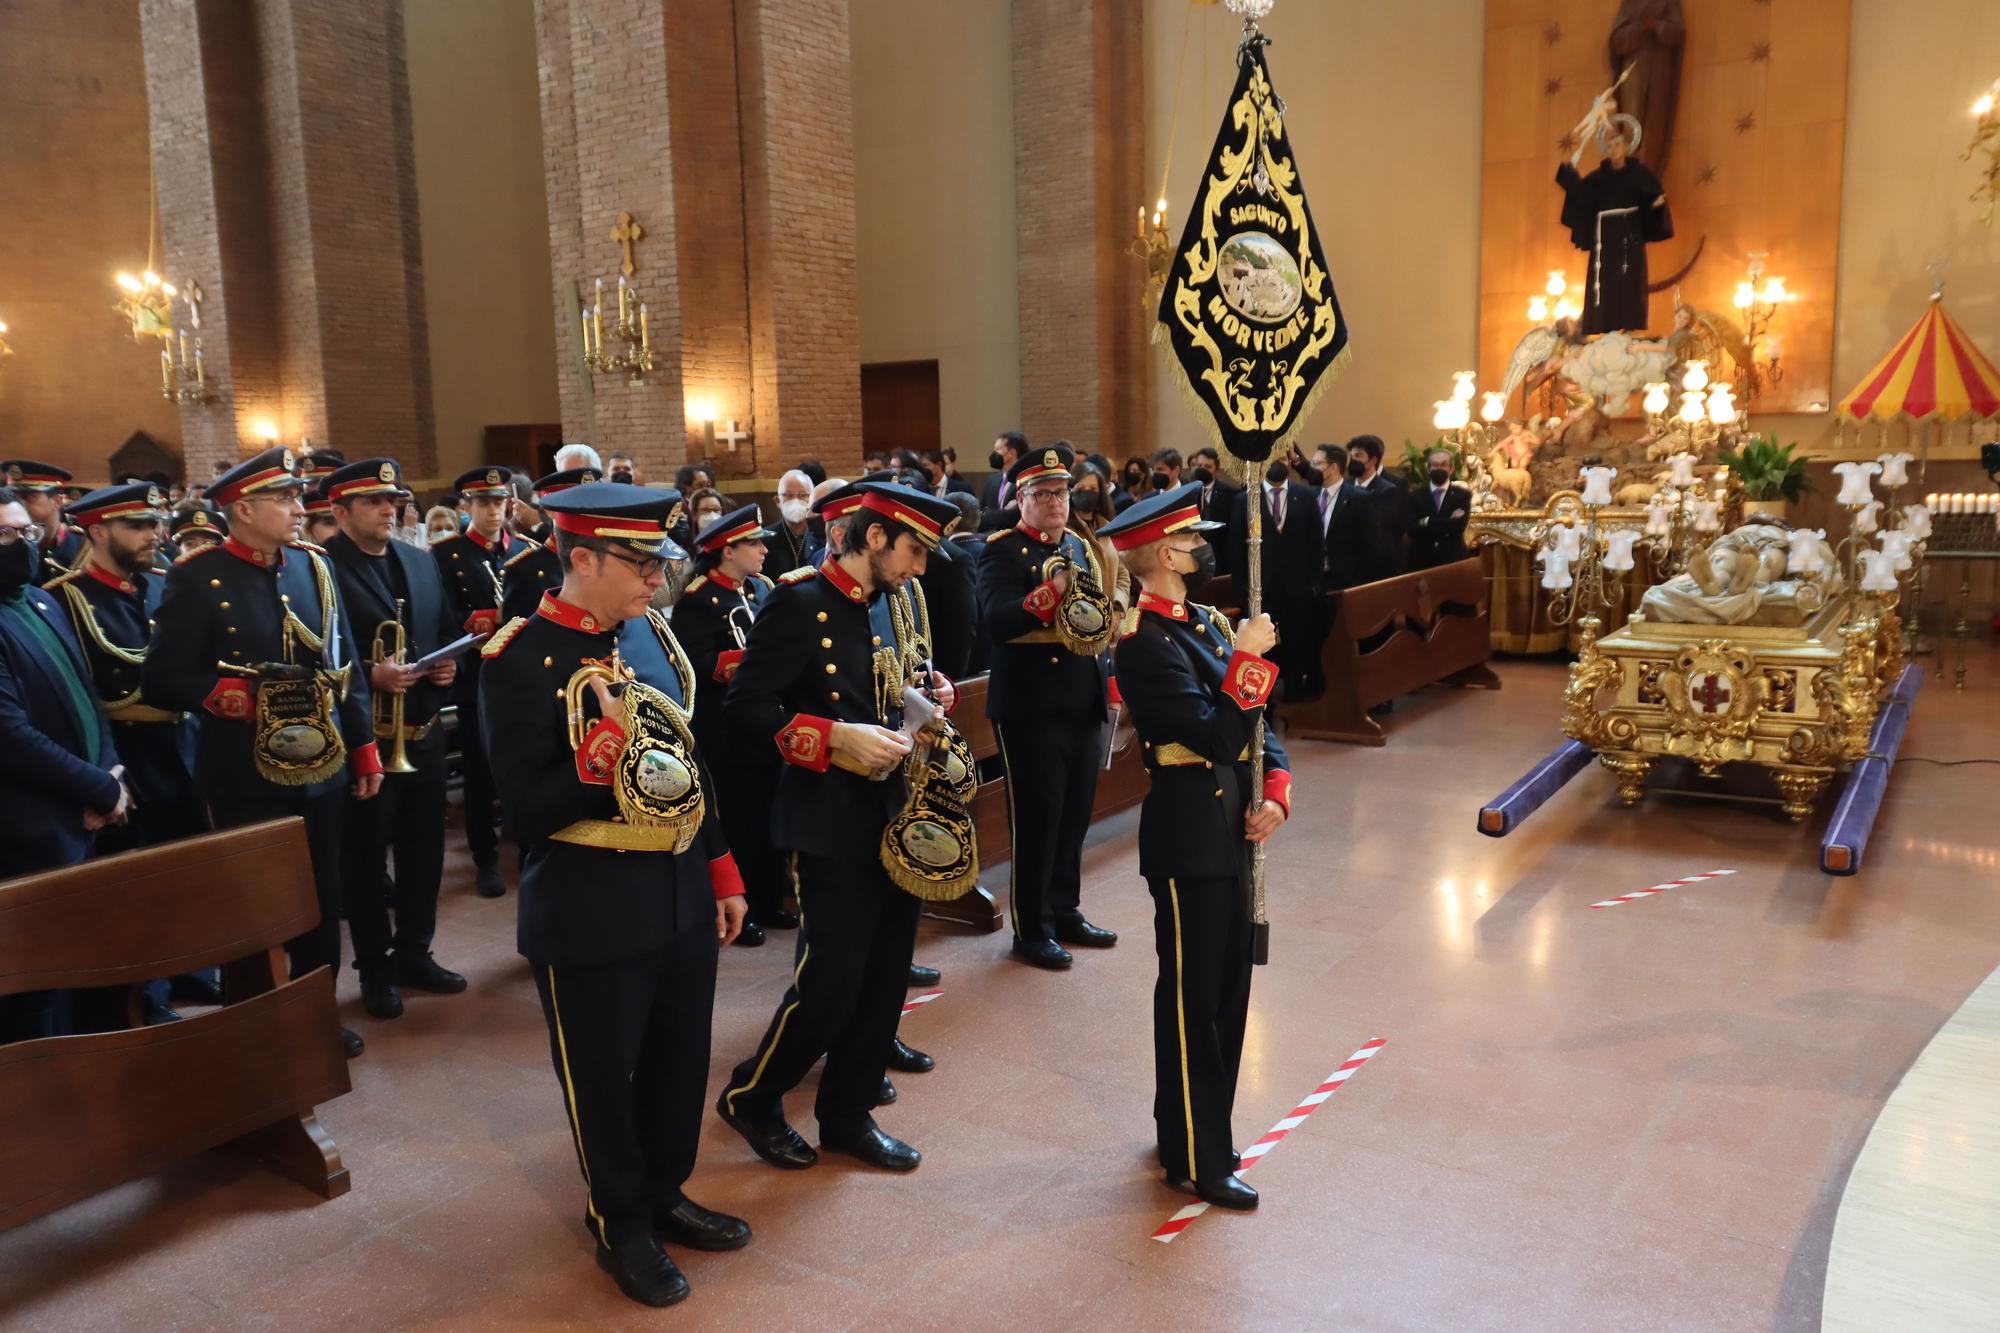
(1161, 481)
(18, 564)
(1275, 473)
(1204, 475)
(1439, 476)
(1133, 479)
(1357, 468)
(795, 511)
(625, 477)
(1204, 569)
(995, 461)
(1083, 502)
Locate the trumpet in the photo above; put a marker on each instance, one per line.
(391, 642)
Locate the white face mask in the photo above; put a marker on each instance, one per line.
(795, 511)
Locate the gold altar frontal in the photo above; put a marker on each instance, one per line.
(1798, 701)
(1506, 540)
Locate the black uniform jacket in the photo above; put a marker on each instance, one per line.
(50, 774)
(113, 618)
(61, 555)
(528, 573)
(586, 905)
(811, 663)
(369, 591)
(226, 604)
(471, 569)
(1195, 702)
(1033, 676)
(712, 609)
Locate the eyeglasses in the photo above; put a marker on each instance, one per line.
(1046, 494)
(646, 567)
(31, 532)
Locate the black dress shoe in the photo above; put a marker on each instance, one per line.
(750, 936)
(422, 972)
(379, 995)
(874, 1147)
(701, 1228)
(192, 989)
(350, 1042)
(1229, 1192)
(492, 886)
(1079, 931)
(152, 1013)
(773, 1140)
(1043, 953)
(908, 1060)
(643, 1271)
(924, 976)
(779, 920)
(887, 1094)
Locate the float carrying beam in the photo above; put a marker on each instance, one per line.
(1853, 819)
(1504, 813)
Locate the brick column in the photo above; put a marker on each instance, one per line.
(1079, 163)
(798, 205)
(281, 143)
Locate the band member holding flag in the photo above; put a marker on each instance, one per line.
(1196, 690)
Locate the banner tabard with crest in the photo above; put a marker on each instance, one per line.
(1249, 308)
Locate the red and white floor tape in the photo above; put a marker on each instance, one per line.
(1659, 888)
(918, 1001)
(1179, 1222)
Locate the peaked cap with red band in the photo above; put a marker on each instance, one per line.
(1158, 517)
(484, 483)
(318, 503)
(739, 525)
(557, 482)
(315, 463)
(24, 474)
(200, 519)
(1052, 460)
(926, 517)
(636, 517)
(841, 501)
(370, 476)
(140, 501)
(274, 469)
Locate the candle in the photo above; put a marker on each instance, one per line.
(584, 315)
(597, 324)
(166, 370)
(1895, 469)
(1683, 470)
(645, 333)
(621, 301)
(184, 350)
(200, 371)
(1597, 485)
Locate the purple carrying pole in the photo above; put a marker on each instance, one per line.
(1846, 838)
(1504, 813)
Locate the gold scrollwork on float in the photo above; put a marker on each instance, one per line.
(1591, 675)
(1714, 696)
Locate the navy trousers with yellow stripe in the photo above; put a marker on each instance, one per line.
(630, 1046)
(1051, 769)
(1200, 1005)
(857, 931)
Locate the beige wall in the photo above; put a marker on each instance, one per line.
(934, 199)
(484, 218)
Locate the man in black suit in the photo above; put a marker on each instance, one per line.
(387, 582)
(1391, 509)
(1438, 512)
(1291, 568)
(1347, 523)
(997, 495)
(1218, 493)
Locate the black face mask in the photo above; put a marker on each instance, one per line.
(1274, 472)
(1204, 475)
(1357, 468)
(996, 460)
(1133, 479)
(1439, 476)
(1161, 481)
(18, 564)
(1083, 502)
(1204, 569)
(624, 477)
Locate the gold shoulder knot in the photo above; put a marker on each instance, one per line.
(999, 536)
(196, 553)
(307, 546)
(520, 555)
(501, 637)
(64, 580)
(700, 581)
(799, 575)
(1220, 621)
(1130, 625)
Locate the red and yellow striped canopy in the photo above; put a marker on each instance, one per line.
(1934, 372)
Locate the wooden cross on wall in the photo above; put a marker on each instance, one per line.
(626, 232)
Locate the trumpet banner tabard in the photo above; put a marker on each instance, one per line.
(1249, 309)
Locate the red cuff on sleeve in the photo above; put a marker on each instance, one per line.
(367, 761)
(726, 663)
(483, 622)
(807, 741)
(597, 757)
(1117, 697)
(232, 698)
(724, 877)
(1249, 680)
(1042, 602)
(1278, 787)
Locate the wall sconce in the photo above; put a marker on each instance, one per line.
(704, 410)
(5, 350)
(147, 303)
(1986, 139)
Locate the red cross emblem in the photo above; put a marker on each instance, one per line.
(1712, 693)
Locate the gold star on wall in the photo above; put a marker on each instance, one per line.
(1761, 52)
(1707, 175)
(1746, 122)
(1566, 144)
(1553, 86)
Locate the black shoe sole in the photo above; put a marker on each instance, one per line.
(749, 1137)
(604, 1261)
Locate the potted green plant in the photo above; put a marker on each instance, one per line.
(1772, 475)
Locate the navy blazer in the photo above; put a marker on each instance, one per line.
(49, 779)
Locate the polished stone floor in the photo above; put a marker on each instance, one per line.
(1632, 1118)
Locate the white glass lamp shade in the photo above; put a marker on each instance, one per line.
(1721, 404)
(1895, 469)
(1462, 387)
(1692, 411)
(1441, 415)
(1555, 572)
(1897, 546)
(1657, 522)
(1878, 571)
(1567, 542)
(1854, 482)
(1804, 555)
(1597, 485)
(1493, 406)
(1683, 470)
(1658, 399)
(1867, 517)
(1619, 558)
(1558, 282)
(1707, 516)
(1695, 377)
(1538, 309)
(1917, 521)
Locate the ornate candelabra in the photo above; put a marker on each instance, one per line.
(1156, 247)
(1540, 309)
(1575, 550)
(1701, 422)
(1758, 296)
(5, 350)
(147, 303)
(1452, 417)
(630, 330)
(1986, 139)
(1684, 514)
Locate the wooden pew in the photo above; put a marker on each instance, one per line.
(1433, 627)
(1119, 788)
(81, 1114)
